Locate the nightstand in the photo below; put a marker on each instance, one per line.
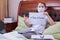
(10, 26)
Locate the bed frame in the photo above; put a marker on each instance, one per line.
(30, 6)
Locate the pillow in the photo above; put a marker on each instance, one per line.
(53, 30)
(21, 24)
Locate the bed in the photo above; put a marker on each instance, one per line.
(31, 6)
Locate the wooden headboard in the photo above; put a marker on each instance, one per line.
(31, 6)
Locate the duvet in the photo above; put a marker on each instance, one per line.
(12, 36)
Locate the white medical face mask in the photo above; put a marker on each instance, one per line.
(41, 9)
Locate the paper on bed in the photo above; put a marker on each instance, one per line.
(36, 18)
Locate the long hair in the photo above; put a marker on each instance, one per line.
(43, 4)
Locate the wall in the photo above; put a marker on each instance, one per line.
(13, 8)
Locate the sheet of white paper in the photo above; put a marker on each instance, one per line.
(36, 18)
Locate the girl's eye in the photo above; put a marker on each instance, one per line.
(39, 6)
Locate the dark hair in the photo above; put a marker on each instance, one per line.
(43, 4)
(24, 13)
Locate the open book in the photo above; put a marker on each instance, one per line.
(42, 37)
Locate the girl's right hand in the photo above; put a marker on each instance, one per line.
(25, 19)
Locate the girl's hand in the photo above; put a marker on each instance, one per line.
(46, 13)
(50, 20)
(25, 19)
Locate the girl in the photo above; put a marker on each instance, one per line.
(41, 8)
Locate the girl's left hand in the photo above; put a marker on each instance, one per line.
(46, 13)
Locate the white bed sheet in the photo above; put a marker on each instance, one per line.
(12, 36)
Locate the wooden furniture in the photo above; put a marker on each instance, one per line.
(10, 26)
(44, 0)
(4, 14)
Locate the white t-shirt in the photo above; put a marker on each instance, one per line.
(39, 25)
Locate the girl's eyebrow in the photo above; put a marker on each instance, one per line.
(41, 6)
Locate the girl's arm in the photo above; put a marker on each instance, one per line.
(26, 21)
(50, 20)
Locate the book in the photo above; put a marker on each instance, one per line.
(42, 37)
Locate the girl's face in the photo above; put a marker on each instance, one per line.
(41, 7)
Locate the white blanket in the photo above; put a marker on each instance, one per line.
(12, 36)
